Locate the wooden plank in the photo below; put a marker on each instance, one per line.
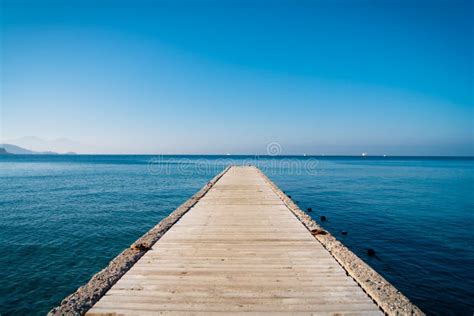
(238, 250)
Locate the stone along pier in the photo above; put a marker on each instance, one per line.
(240, 248)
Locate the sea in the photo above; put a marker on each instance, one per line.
(64, 217)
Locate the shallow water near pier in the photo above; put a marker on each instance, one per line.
(63, 218)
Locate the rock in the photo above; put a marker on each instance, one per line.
(318, 231)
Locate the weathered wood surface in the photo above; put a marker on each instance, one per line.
(238, 250)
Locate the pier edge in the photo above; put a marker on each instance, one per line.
(79, 302)
(390, 300)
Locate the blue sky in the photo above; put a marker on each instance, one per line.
(318, 77)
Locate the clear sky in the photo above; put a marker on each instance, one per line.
(318, 77)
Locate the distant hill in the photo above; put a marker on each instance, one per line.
(17, 150)
(6, 149)
(4, 152)
(40, 145)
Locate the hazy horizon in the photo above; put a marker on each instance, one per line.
(63, 146)
(208, 77)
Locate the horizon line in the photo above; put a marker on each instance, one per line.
(248, 155)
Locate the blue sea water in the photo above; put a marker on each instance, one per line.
(63, 218)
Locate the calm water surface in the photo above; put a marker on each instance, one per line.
(63, 218)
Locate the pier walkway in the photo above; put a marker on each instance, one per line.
(238, 250)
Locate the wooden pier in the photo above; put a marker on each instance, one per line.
(238, 250)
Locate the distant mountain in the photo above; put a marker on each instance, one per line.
(4, 152)
(40, 145)
(17, 150)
